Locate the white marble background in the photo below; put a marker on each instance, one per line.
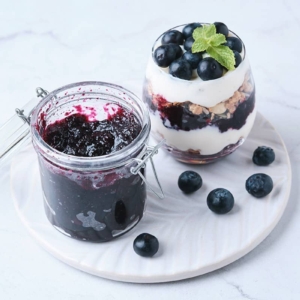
(52, 43)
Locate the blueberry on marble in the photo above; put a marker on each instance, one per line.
(164, 55)
(192, 58)
(259, 185)
(180, 68)
(238, 59)
(209, 69)
(189, 182)
(263, 156)
(187, 30)
(221, 28)
(172, 37)
(188, 43)
(220, 201)
(145, 245)
(234, 44)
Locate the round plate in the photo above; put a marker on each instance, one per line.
(193, 240)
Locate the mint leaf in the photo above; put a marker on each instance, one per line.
(209, 30)
(224, 55)
(198, 33)
(217, 39)
(200, 45)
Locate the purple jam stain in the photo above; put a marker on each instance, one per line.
(77, 135)
(179, 117)
(92, 206)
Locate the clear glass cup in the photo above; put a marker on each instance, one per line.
(91, 198)
(201, 121)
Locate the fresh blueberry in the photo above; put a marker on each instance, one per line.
(145, 245)
(187, 30)
(172, 37)
(164, 55)
(188, 43)
(220, 201)
(180, 68)
(263, 156)
(238, 59)
(192, 58)
(221, 28)
(209, 68)
(189, 182)
(234, 44)
(259, 185)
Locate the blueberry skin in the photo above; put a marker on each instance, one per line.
(164, 55)
(145, 245)
(189, 182)
(263, 156)
(187, 30)
(188, 43)
(209, 69)
(234, 44)
(192, 58)
(220, 201)
(238, 59)
(221, 28)
(172, 37)
(259, 185)
(180, 68)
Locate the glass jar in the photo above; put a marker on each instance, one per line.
(201, 121)
(91, 198)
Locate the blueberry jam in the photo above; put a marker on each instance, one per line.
(92, 205)
(77, 135)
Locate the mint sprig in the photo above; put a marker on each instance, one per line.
(207, 39)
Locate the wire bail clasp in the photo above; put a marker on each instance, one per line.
(20, 112)
(150, 151)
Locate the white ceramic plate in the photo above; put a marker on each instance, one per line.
(193, 240)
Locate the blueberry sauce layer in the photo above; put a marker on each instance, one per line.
(187, 116)
(77, 135)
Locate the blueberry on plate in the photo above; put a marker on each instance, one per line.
(180, 68)
(189, 182)
(263, 156)
(234, 44)
(209, 68)
(238, 59)
(187, 30)
(259, 185)
(221, 28)
(192, 58)
(172, 37)
(145, 245)
(188, 43)
(220, 201)
(164, 55)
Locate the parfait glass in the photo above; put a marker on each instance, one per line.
(201, 121)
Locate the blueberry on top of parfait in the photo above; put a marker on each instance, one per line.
(164, 55)
(180, 68)
(221, 28)
(209, 68)
(192, 58)
(187, 30)
(172, 37)
(234, 44)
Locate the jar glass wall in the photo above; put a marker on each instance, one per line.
(91, 198)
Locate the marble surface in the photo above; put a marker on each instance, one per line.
(53, 43)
